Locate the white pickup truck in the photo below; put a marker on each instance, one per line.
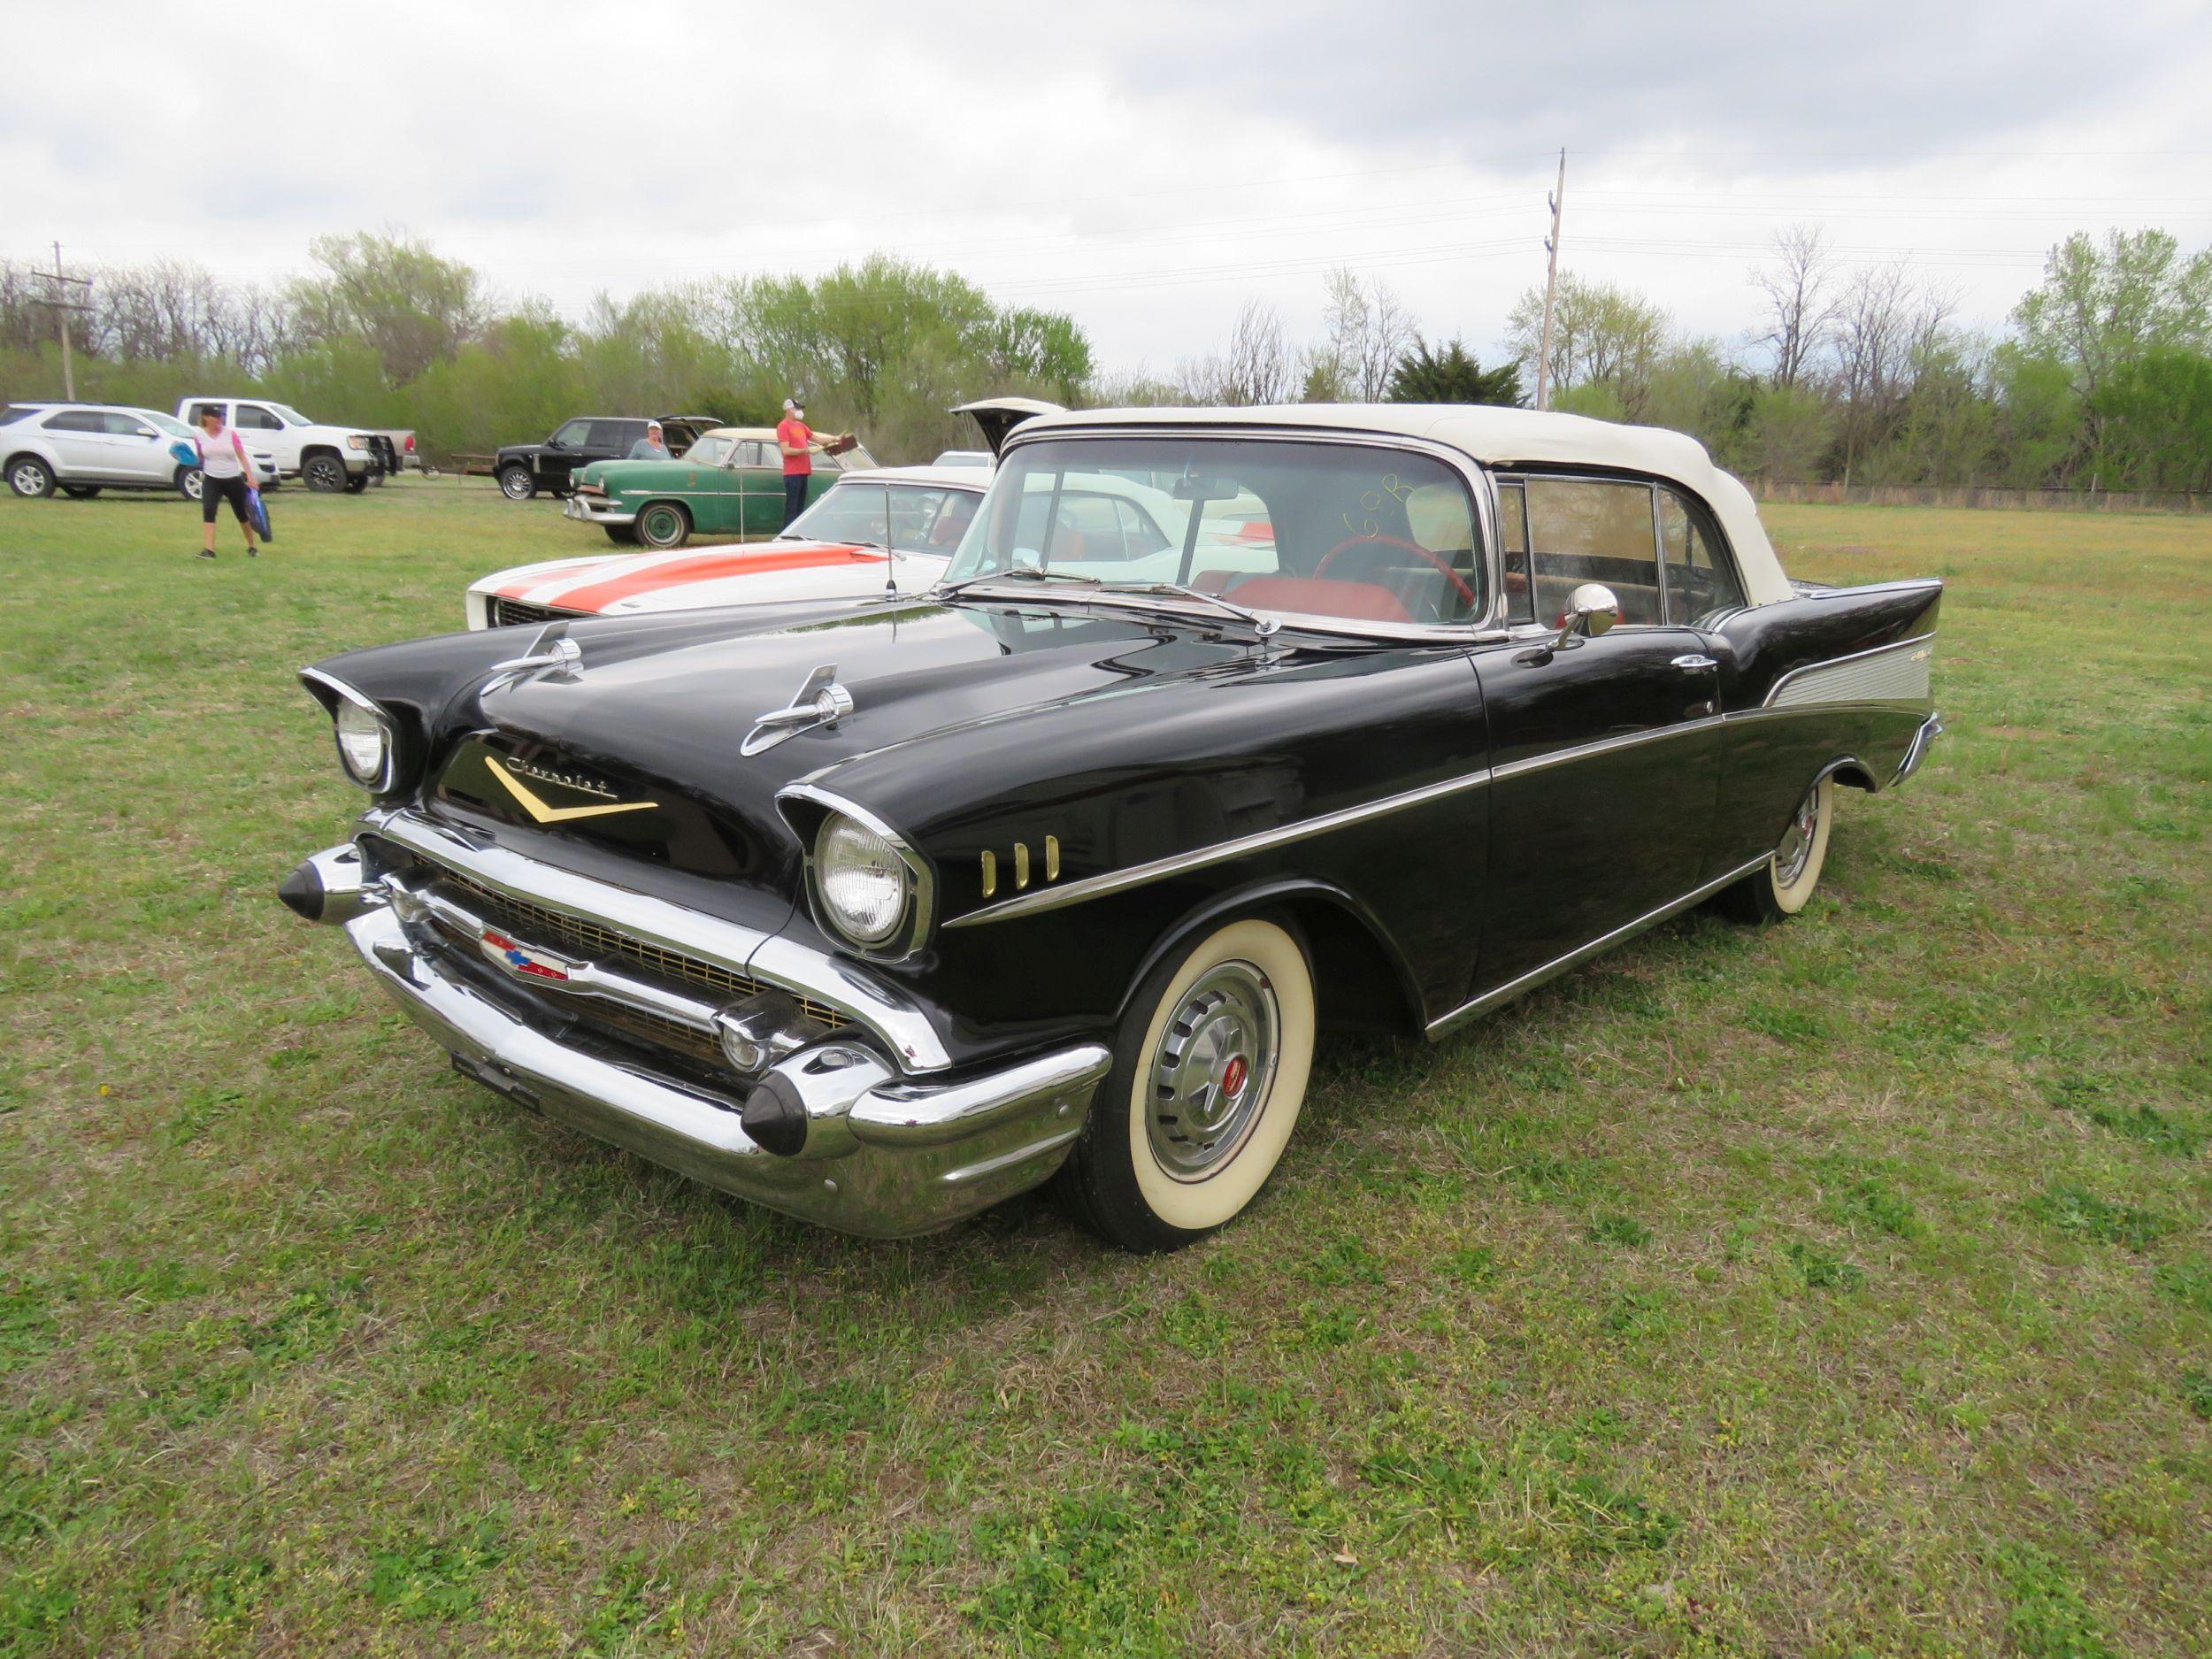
(324, 457)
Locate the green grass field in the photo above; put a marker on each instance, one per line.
(1840, 1289)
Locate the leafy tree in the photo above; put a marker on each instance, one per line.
(1786, 431)
(1600, 336)
(2100, 309)
(2156, 411)
(1451, 375)
(409, 305)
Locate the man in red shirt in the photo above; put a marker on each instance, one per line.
(796, 440)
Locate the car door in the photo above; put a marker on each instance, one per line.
(761, 479)
(1605, 751)
(562, 453)
(79, 437)
(139, 452)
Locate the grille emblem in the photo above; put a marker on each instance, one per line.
(544, 813)
(526, 962)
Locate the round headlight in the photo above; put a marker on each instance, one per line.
(365, 745)
(864, 882)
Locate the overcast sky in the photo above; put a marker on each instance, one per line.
(1145, 167)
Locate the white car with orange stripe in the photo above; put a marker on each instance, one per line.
(889, 528)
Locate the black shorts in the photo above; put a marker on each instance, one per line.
(794, 495)
(213, 491)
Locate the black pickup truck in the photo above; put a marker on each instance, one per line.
(524, 469)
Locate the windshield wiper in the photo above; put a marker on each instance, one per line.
(1263, 626)
(1016, 572)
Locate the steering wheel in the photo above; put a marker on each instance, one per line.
(1450, 574)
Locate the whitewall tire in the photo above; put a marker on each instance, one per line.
(1784, 886)
(1209, 1074)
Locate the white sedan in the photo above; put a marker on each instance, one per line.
(892, 528)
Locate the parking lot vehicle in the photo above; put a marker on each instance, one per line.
(881, 911)
(524, 469)
(727, 481)
(326, 458)
(82, 448)
(868, 534)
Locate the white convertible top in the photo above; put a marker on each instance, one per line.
(1501, 438)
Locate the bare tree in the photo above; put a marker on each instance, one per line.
(1801, 305)
(1887, 326)
(1257, 369)
(1367, 330)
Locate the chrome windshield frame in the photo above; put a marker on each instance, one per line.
(1480, 490)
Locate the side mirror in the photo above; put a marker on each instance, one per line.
(1592, 609)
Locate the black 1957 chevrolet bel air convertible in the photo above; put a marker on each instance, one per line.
(878, 913)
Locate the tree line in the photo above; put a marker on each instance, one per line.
(1862, 373)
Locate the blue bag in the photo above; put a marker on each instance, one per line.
(183, 453)
(258, 511)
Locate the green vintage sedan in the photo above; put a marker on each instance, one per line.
(728, 483)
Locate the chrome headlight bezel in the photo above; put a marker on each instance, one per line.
(818, 816)
(346, 705)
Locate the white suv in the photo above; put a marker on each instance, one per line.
(326, 457)
(85, 448)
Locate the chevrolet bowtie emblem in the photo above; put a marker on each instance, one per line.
(544, 814)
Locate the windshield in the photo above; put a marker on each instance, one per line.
(292, 416)
(1344, 531)
(905, 518)
(709, 452)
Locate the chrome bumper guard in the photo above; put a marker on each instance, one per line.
(1922, 740)
(594, 510)
(885, 1155)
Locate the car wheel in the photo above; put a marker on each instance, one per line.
(187, 481)
(28, 475)
(621, 534)
(326, 474)
(516, 484)
(1208, 1075)
(80, 492)
(1784, 885)
(357, 483)
(664, 523)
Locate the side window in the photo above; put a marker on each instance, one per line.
(615, 436)
(753, 452)
(1699, 580)
(253, 418)
(1088, 528)
(125, 425)
(574, 434)
(953, 520)
(1593, 530)
(1520, 590)
(913, 509)
(75, 420)
(1143, 536)
(192, 418)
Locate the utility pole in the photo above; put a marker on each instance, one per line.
(61, 305)
(1558, 204)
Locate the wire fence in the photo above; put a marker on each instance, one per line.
(1835, 495)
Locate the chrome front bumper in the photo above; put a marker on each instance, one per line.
(596, 510)
(886, 1155)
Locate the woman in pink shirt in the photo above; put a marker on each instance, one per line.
(226, 472)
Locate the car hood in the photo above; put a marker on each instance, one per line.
(673, 473)
(694, 577)
(674, 698)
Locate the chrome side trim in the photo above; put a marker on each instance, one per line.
(1552, 970)
(1785, 691)
(1606, 745)
(906, 1031)
(1220, 852)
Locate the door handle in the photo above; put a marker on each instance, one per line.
(1692, 662)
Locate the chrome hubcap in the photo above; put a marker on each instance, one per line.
(1797, 841)
(516, 484)
(1212, 1073)
(26, 480)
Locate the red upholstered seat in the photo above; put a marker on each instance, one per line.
(1319, 596)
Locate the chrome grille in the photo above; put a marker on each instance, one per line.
(507, 613)
(541, 926)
